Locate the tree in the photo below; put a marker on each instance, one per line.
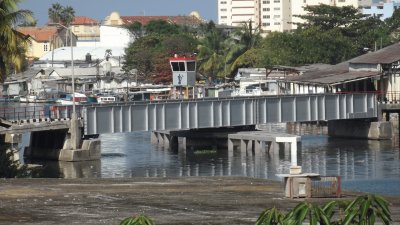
(135, 28)
(211, 54)
(11, 40)
(140, 55)
(55, 13)
(245, 39)
(60, 14)
(328, 17)
(161, 27)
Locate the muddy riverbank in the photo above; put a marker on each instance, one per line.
(189, 200)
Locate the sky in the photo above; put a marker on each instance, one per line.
(99, 9)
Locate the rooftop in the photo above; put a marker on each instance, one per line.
(40, 34)
(385, 55)
(180, 20)
(84, 20)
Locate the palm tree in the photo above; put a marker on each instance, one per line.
(245, 39)
(55, 13)
(60, 14)
(67, 15)
(10, 39)
(211, 55)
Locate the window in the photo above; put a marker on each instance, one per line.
(266, 9)
(277, 16)
(277, 23)
(191, 66)
(304, 1)
(178, 66)
(265, 24)
(380, 7)
(265, 2)
(45, 47)
(277, 1)
(342, 0)
(277, 8)
(223, 2)
(224, 17)
(266, 17)
(223, 10)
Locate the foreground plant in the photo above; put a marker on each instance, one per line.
(364, 210)
(271, 216)
(137, 220)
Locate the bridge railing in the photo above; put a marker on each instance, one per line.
(37, 111)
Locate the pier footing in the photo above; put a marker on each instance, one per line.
(379, 130)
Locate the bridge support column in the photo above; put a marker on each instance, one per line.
(75, 149)
(379, 130)
(11, 142)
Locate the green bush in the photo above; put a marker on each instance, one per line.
(364, 210)
(137, 220)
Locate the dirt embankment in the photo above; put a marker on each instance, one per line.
(190, 200)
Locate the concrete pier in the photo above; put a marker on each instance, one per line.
(52, 139)
(184, 140)
(256, 143)
(376, 130)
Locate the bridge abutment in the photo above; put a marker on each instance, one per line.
(63, 144)
(360, 128)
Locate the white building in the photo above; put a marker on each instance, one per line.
(269, 15)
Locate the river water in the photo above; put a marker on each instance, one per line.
(363, 165)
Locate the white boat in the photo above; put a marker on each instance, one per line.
(34, 99)
(106, 99)
(67, 100)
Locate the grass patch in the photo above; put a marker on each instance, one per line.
(205, 152)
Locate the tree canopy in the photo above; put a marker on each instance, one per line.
(61, 14)
(13, 43)
(328, 34)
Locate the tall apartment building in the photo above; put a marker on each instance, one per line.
(382, 9)
(269, 15)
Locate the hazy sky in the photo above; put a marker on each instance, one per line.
(99, 9)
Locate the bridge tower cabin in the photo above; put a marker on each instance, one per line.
(183, 73)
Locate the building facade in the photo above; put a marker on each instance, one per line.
(87, 31)
(44, 39)
(383, 10)
(270, 15)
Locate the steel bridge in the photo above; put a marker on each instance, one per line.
(226, 112)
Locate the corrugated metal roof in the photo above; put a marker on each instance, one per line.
(385, 55)
(338, 73)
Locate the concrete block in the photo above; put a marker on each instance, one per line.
(153, 137)
(94, 149)
(295, 170)
(13, 138)
(74, 155)
(67, 144)
(85, 144)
